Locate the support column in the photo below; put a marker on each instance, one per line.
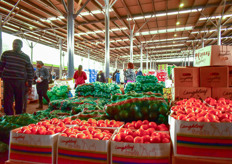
(0, 34)
(219, 33)
(107, 39)
(202, 43)
(131, 46)
(116, 63)
(141, 58)
(31, 46)
(147, 62)
(189, 60)
(123, 66)
(185, 61)
(151, 64)
(88, 60)
(61, 67)
(63, 61)
(70, 38)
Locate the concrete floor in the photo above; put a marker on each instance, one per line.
(31, 107)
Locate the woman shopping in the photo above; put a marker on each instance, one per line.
(79, 76)
(42, 75)
(129, 73)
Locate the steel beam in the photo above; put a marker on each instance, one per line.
(61, 67)
(31, 46)
(107, 39)
(147, 62)
(131, 45)
(219, 33)
(70, 38)
(0, 34)
(141, 58)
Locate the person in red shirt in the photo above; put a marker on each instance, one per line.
(79, 76)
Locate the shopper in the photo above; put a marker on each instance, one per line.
(42, 83)
(27, 92)
(117, 77)
(15, 64)
(139, 72)
(114, 77)
(101, 77)
(79, 76)
(129, 73)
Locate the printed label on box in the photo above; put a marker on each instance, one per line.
(203, 56)
(83, 151)
(140, 153)
(202, 139)
(29, 147)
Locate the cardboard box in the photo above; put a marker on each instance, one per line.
(122, 152)
(201, 139)
(222, 93)
(214, 76)
(180, 93)
(213, 56)
(33, 148)
(194, 160)
(83, 151)
(186, 77)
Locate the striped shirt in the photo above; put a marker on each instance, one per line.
(16, 66)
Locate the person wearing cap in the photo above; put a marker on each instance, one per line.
(42, 75)
(17, 74)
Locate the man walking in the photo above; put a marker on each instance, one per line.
(15, 64)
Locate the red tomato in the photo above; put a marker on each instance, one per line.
(146, 138)
(72, 135)
(83, 128)
(225, 120)
(81, 135)
(144, 127)
(117, 138)
(138, 124)
(63, 134)
(122, 135)
(67, 131)
(191, 118)
(89, 136)
(152, 125)
(138, 140)
(103, 125)
(203, 119)
(145, 122)
(34, 130)
(155, 139)
(50, 132)
(98, 135)
(86, 132)
(129, 138)
(27, 131)
(150, 130)
(41, 131)
(165, 140)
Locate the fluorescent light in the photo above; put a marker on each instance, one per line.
(164, 31)
(162, 40)
(99, 31)
(173, 60)
(215, 17)
(165, 14)
(92, 12)
(174, 45)
(213, 30)
(181, 5)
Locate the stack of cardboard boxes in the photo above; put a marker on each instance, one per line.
(211, 76)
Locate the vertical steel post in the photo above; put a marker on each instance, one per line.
(0, 34)
(31, 46)
(151, 64)
(107, 39)
(88, 60)
(61, 67)
(63, 61)
(116, 63)
(185, 61)
(141, 58)
(219, 33)
(188, 59)
(147, 62)
(131, 46)
(202, 43)
(70, 38)
(123, 66)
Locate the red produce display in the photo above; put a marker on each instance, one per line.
(146, 125)
(141, 136)
(209, 111)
